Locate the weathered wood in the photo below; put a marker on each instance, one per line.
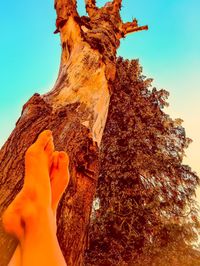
(70, 135)
(76, 111)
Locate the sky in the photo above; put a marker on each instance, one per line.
(169, 52)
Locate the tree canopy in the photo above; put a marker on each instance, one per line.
(147, 214)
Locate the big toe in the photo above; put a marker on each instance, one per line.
(44, 139)
(44, 142)
(49, 150)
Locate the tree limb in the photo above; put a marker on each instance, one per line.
(130, 27)
(91, 7)
(117, 5)
(64, 10)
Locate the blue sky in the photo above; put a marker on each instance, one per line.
(169, 53)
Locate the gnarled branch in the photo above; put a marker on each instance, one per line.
(117, 5)
(91, 7)
(130, 27)
(64, 11)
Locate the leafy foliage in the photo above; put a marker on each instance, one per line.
(147, 213)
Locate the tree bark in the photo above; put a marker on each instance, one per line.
(76, 111)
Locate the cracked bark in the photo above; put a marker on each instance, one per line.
(76, 111)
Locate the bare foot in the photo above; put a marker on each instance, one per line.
(36, 192)
(38, 160)
(59, 179)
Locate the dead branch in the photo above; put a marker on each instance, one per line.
(64, 11)
(91, 7)
(130, 27)
(117, 5)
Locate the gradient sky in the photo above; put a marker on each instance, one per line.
(169, 53)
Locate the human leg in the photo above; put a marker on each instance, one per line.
(35, 202)
(59, 178)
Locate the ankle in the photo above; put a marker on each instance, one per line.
(34, 216)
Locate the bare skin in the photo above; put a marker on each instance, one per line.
(31, 217)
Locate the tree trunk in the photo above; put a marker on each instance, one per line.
(76, 111)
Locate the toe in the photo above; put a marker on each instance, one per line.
(63, 163)
(54, 165)
(55, 159)
(59, 177)
(49, 149)
(44, 138)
